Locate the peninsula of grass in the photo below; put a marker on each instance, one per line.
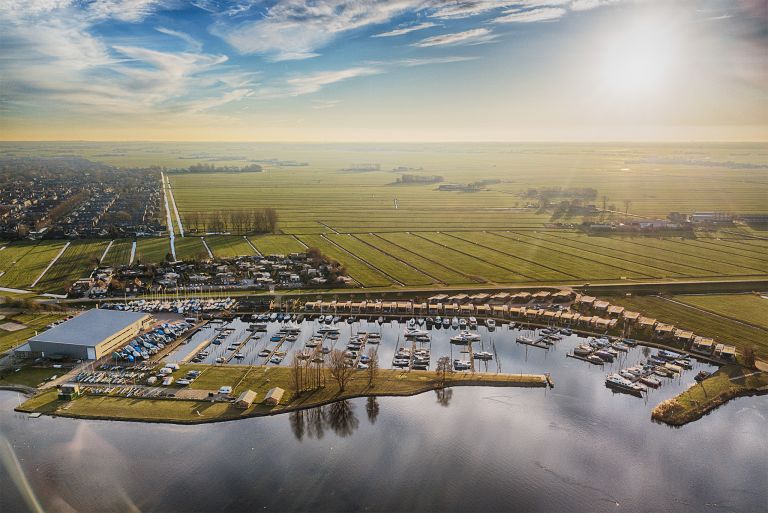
(727, 383)
(260, 380)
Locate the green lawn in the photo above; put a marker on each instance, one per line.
(33, 321)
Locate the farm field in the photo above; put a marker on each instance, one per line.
(189, 248)
(79, 259)
(276, 244)
(358, 270)
(748, 308)
(702, 323)
(227, 246)
(402, 273)
(414, 235)
(119, 253)
(29, 266)
(429, 267)
(152, 250)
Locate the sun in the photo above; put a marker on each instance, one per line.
(639, 59)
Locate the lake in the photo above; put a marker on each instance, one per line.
(577, 447)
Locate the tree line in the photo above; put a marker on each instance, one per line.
(255, 220)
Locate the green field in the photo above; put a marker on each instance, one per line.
(394, 235)
(748, 308)
(119, 253)
(28, 267)
(227, 246)
(277, 244)
(722, 329)
(190, 248)
(152, 250)
(79, 259)
(361, 272)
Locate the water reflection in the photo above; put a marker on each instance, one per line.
(372, 409)
(444, 396)
(339, 417)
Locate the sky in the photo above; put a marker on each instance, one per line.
(389, 70)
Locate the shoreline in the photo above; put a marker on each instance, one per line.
(131, 410)
(725, 385)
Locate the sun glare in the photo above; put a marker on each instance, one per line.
(639, 60)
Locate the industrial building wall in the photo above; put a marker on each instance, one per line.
(119, 339)
(72, 351)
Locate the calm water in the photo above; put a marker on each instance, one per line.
(578, 447)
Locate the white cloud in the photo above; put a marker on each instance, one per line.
(468, 37)
(542, 14)
(406, 30)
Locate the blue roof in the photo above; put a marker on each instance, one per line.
(90, 328)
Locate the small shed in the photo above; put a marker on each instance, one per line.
(246, 399)
(69, 391)
(274, 396)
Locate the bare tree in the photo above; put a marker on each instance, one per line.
(443, 368)
(627, 204)
(749, 357)
(296, 375)
(373, 365)
(339, 369)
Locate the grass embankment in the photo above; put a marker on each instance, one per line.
(259, 379)
(29, 376)
(727, 383)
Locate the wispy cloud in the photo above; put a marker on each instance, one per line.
(531, 16)
(191, 41)
(468, 37)
(434, 60)
(312, 83)
(585, 5)
(125, 10)
(406, 30)
(454, 9)
(298, 29)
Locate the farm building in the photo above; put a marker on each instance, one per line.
(90, 335)
(274, 396)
